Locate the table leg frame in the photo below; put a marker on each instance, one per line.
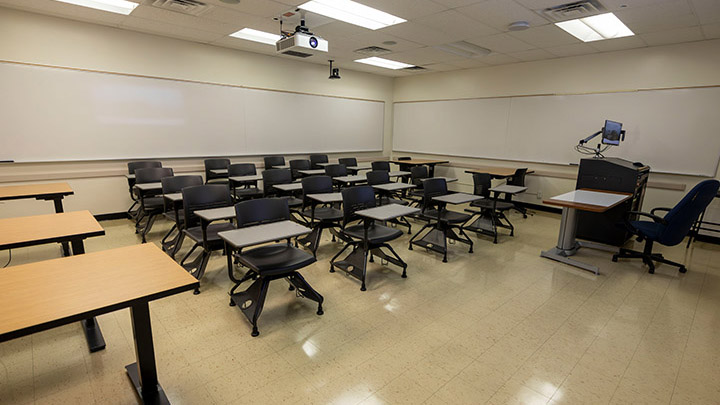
(143, 373)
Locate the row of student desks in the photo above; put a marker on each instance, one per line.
(78, 287)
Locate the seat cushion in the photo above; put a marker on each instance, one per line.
(249, 192)
(171, 216)
(386, 201)
(324, 214)
(648, 229)
(195, 233)
(488, 203)
(293, 202)
(152, 203)
(276, 259)
(451, 217)
(376, 233)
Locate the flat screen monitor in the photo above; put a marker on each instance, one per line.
(611, 133)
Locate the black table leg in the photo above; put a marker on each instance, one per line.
(93, 334)
(59, 209)
(143, 373)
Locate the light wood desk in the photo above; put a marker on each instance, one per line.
(44, 295)
(421, 162)
(47, 191)
(73, 227)
(585, 200)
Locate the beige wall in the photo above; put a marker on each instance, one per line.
(101, 186)
(690, 64)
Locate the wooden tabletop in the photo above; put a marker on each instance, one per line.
(417, 162)
(42, 295)
(34, 190)
(589, 200)
(496, 171)
(40, 229)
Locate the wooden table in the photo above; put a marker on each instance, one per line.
(585, 200)
(47, 191)
(430, 163)
(496, 172)
(44, 295)
(73, 227)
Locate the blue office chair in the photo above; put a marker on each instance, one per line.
(671, 229)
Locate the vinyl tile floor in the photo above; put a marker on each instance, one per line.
(501, 325)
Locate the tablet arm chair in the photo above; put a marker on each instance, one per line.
(243, 191)
(336, 170)
(151, 202)
(365, 238)
(349, 162)
(297, 165)
(281, 176)
(132, 166)
(216, 164)
(670, 229)
(204, 234)
(268, 262)
(381, 165)
(377, 177)
(315, 159)
(518, 179)
(319, 216)
(172, 185)
(490, 211)
(272, 161)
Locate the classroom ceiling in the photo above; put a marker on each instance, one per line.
(431, 23)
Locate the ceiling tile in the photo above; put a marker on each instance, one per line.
(242, 20)
(184, 20)
(376, 38)
(546, 36)
(441, 67)
(571, 50)
(618, 44)
(711, 31)
(244, 45)
(659, 17)
(423, 56)
(419, 33)
(502, 43)
(533, 54)
(470, 63)
(407, 9)
(163, 28)
(337, 28)
(673, 36)
(500, 13)
(707, 11)
(456, 3)
(499, 59)
(456, 25)
(262, 8)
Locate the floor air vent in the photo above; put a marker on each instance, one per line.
(570, 11)
(191, 7)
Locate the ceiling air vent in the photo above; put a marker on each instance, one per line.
(415, 68)
(571, 11)
(191, 7)
(372, 51)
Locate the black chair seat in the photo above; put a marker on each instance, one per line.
(488, 203)
(376, 233)
(153, 203)
(248, 192)
(276, 259)
(172, 217)
(293, 201)
(195, 233)
(647, 229)
(324, 213)
(387, 201)
(451, 217)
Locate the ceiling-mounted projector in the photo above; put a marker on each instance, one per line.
(301, 45)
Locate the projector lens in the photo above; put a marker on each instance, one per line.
(313, 42)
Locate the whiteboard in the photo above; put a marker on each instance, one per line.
(55, 114)
(673, 131)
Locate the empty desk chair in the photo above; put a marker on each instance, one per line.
(151, 201)
(444, 224)
(318, 215)
(216, 164)
(381, 165)
(132, 166)
(336, 170)
(417, 176)
(173, 209)
(349, 162)
(364, 235)
(269, 262)
(518, 179)
(402, 167)
(671, 229)
(281, 176)
(272, 162)
(315, 159)
(297, 165)
(376, 177)
(490, 211)
(203, 234)
(243, 190)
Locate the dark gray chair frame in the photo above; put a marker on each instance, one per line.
(488, 213)
(375, 177)
(320, 216)
(171, 185)
(318, 158)
(151, 202)
(244, 190)
(215, 164)
(132, 166)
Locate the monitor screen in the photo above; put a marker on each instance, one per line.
(611, 133)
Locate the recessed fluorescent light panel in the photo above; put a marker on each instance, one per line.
(384, 63)
(256, 36)
(596, 28)
(113, 6)
(352, 12)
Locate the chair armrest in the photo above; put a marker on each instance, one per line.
(655, 218)
(652, 211)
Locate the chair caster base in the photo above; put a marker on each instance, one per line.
(332, 270)
(255, 333)
(291, 288)
(683, 269)
(363, 288)
(651, 271)
(232, 303)
(615, 258)
(320, 311)
(196, 291)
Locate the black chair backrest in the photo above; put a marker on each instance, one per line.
(404, 158)
(261, 211)
(682, 217)
(315, 159)
(143, 164)
(175, 184)
(315, 185)
(482, 183)
(336, 170)
(417, 173)
(432, 188)
(518, 179)
(272, 161)
(214, 164)
(299, 164)
(381, 165)
(348, 161)
(241, 169)
(152, 174)
(203, 197)
(272, 177)
(356, 199)
(378, 177)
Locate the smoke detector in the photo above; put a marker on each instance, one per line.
(518, 26)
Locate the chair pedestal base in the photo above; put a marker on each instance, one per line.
(648, 258)
(355, 264)
(563, 256)
(436, 238)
